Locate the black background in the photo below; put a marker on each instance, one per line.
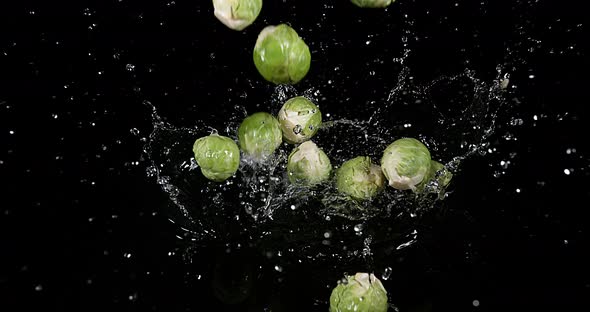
(84, 229)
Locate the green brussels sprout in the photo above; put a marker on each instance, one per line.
(405, 163)
(373, 3)
(438, 174)
(237, 14)
(259, 135)
(280, 55)
(359, 178)
(300, 119)
(362, 292)
(218, 157)
(308, 164)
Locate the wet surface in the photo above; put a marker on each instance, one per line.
(100, 102)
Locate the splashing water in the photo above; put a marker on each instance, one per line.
(458, 115)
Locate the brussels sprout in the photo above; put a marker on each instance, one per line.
(373, 3)
(362, 292)
(280, 55)
(237, 14)
(299, 119)
(438, 175)
(218, 157)
(259, 135)
(308, 164)
(359, 178)
(405, 163)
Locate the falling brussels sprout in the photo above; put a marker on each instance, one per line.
(373, 3)
(237, 14)
(359, 178)
(362, 292)
(217, 156)
(405, 163)
(438, 178)
(300, 119)
(280, 55)
(259, 135)
(308, 164)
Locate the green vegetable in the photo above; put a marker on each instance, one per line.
(359, 178)
(237, 14)
(280, 55)
(217, 156)
(300, 119)
(308, 164)
(438, 177)
(259, 135)
(362, 292)
(373, 3)
(405, 163)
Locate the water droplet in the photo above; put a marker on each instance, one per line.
(359, 227)
(386, 273)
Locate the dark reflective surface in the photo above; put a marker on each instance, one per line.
(84, 228)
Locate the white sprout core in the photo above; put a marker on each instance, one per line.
(395, 179)
(310, 151)
(292, 118)
(223, 11)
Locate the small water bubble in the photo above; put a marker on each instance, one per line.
(359, 227)
(567, 171)
(278, 268)
(327, 234)
(293, 207)
(475, 303)
(531, 76)
(386, 273)
(39, 287)
(517, 190)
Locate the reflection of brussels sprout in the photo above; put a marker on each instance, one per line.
(237, 14)
(259, 135)
(373, 3)
(359, 178)
(405, 163)
(299, 119)
(362, 292)
(280, 55)
(218, 157)
(308, 164)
